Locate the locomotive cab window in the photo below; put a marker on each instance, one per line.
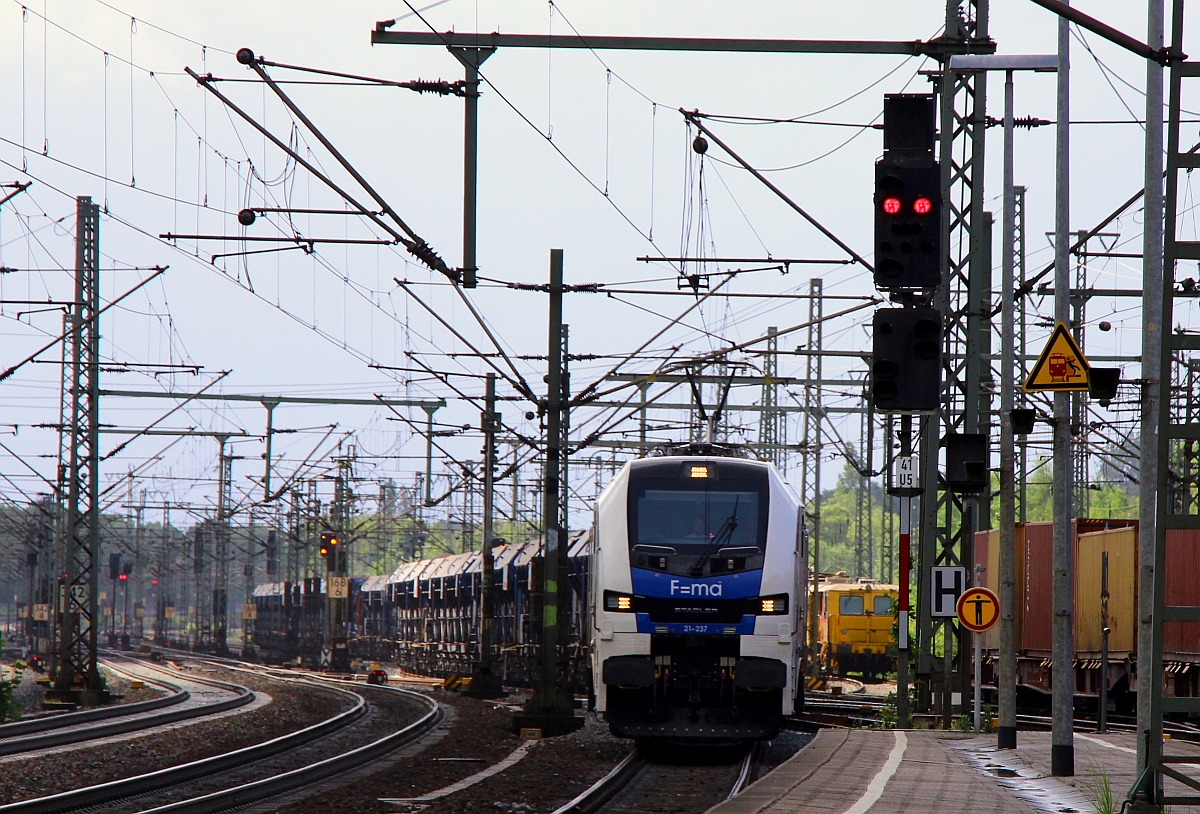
(882, 606)
(850, 605)
(691, 521)
(706, 519)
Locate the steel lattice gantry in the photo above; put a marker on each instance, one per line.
(77, 595)
(810, 471)
(772, 431)
(946, 528)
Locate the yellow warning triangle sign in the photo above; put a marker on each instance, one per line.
(1062, 365)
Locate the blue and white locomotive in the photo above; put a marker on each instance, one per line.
(698, 580)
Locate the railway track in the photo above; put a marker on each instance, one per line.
(1177, 730)
(828, 711)
(825, 710)
(188, 697)
(261, 771)
(640, 785)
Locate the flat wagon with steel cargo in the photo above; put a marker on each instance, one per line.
(424, 616)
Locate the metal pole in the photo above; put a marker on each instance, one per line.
(471, 59)
(125, 611)
(1020, 475)
(643, 388)
(470, 168)
(550, 708)
(164, 593)
(267, 455)
(903, 713)
(1104, 631)
(1148, 681)
(248, 588)
(77, 594)
(429, 456)
(112, 607)
(1006, 737)
(550, 485)
(978, 677)
(220, 603)
(139, 567)
(1062, 748)
(484, 684)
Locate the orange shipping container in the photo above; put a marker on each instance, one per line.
(1034, 582)
(1121, 547)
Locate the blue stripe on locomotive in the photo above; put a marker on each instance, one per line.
(745, 585)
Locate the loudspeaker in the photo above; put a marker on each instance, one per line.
(1102, 383)
(1023, 419)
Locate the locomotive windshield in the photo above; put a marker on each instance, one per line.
(697, 522)
(698, 516)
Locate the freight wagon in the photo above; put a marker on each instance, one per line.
(424, 615)
(1106, 601)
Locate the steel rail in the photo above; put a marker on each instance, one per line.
(313, 773)
(604, 789)
(65, 719)
(746, 772)
(127, 720)
(205, 767)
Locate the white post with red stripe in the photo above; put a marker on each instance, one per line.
(905, 485)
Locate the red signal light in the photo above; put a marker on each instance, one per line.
(123, 577)
(891, 206)
(154, 582)
(922, 206)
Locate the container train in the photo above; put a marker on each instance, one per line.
(1105, 608)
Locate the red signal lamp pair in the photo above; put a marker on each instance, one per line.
(921, 206)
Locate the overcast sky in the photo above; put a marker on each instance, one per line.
(579, 150)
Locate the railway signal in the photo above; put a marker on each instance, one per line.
(906, 359)
(908, 197)
(331, 550)
(908, 244)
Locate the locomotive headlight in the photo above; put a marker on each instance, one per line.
(618, 603)
(774, 605)
(697, 471)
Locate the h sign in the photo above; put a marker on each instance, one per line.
(946, 584)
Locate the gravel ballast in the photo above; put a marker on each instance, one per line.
(293, 706)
